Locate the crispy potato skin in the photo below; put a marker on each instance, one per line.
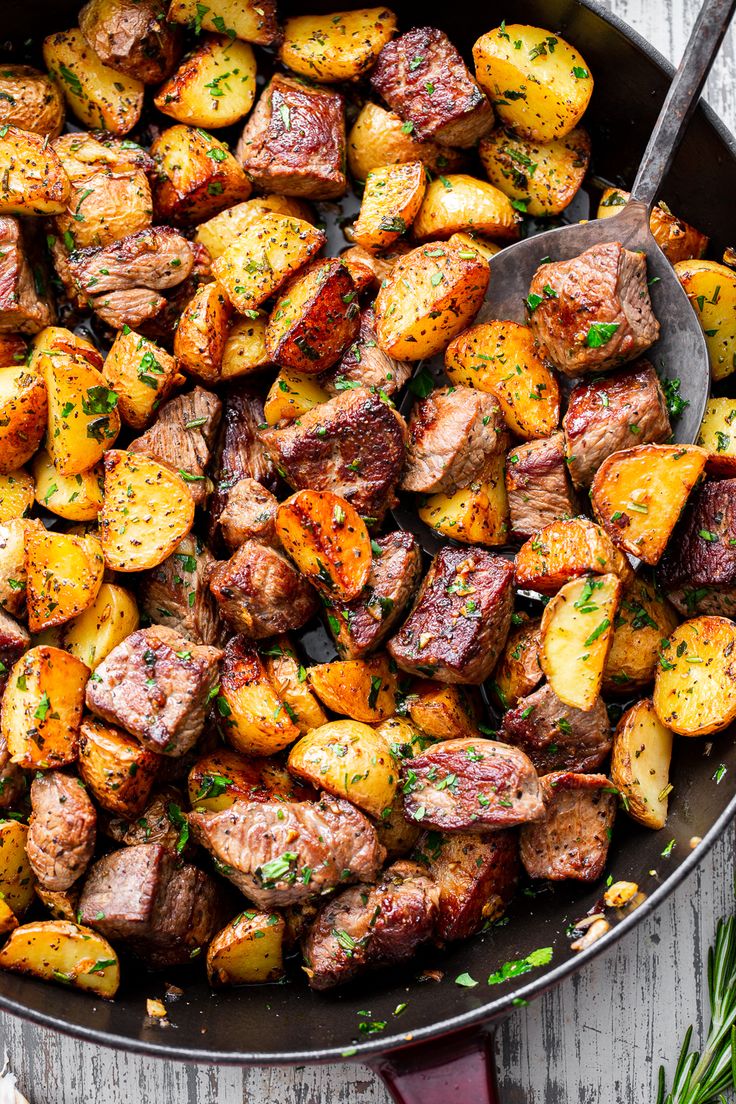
(563, 551)
(348, 759)
(391, 201)
(217, 233)
(640, 764)
(23, 413)
(33, 180)
(314, 319)
(378, 138)
(714, 286)
(443, 712)
(336, 47)
(194, 185)
(544, 176)
(213, 87)
(30, 100)
(291, 395)
(363, 689)
(518, 671)
(200, 338)
(99, 96)
(458, 203)
(695, 684)
(83, 419)
(131, 36)
(56, 949)
(141, 374)
(118, 771)
(248, 951)
(676, 238)
(16, 876)
(257, 722)
(328, 541)
(225, 776)
(64, 574)
(478, 514)
(44, 675)
(250, 20)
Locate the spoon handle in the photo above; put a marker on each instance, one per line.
(700, 53)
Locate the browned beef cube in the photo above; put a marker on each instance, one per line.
(471, 785)
(556, 736)
(14, 641)
(248, 514)
(144, 897)
(158, 822)
(61, 830)
(240, 453)
(572, 840)
(162, 327)
(176, 594)
(593, 312)
(26, 305)
(613, 413)
(261, 593)
(182, 437)
(476, 874)
(282, 852)
(363, 929)
(454, 434)
(461, 618)
(294, 141)
(538, 486)
(360, 626)
(353, 445)
(363, 362)
(156, 685)
(423, 78)
(698, 568)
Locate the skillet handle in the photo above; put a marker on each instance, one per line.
(458, 1070)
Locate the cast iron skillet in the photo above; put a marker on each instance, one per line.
(436, 1050)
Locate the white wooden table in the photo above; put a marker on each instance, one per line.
(599, 1038)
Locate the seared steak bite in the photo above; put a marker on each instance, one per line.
(593, 312)
(698, 568)
(294, 141)
(144, 897)
(461, 618)
(353, 445)
(613, 413)
(363, 928)
(26, 305)
(360, 626)
(453, 434)
(240, 453)
(61, 830)
(282, 852)
(261, 593)
(14, 641)
(156, 685)
(572, 840)
(363, 362)
(423, 78)
(471, 785)
(176, 594)
(556, 736)
(248, 514)
(476, 874)
(538, 486)
(154, 825)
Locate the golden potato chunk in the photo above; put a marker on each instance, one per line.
(131, 36)
(379, 137)
(695, 685)
(711, 288)
(245, 347)
(336, 47)
(99, 96)
(213, 87)
(348, 759)
(30, 100)
(117, 770)
(478, 514)
(83, 419)
(289, 679)
(640, 764)
(32, 179)
(676, 238)
(58, 950)
(718, 437)
(217, 233)
(42, 708)
(12, 564)
(459, 203)
(74, 497)
(518, 671)
(198, 176)
(225, 776)
(8, 920)
(391, 201)
(199, 341)
(314, 319)
(64, 574)
(644, 619)
(263, 257)
(328, 541)
(102, 626)
(23, 412)
(248, 951)
(564, 550)
(141, 374)
(540, 178)
(442, 712)
(16, 494)
(16, 876)
(254, 719)
(57, 341)
(249, 20)
(292, 394)
(364, 689)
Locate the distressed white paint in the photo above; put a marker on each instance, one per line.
(599, 1038)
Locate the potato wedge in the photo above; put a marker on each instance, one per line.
(391, 201)
(217, 233)
(718, 437)
(254, 719)
(23, 413)
(328, 541)
(363, 689)
(117, 770)
(102, 626)
(542, 178)
(458, 203)
(42, 708)
(141, 374)
(403, 738)
(338, 47)
(132, 37)
(565, 550)
(8, 919)
(16, 494)
(475, 242)
(64, 575)
(16, 876)
(57, 341)
(576, 635)
(213, 87)
(676, 238)
(74, 497)
(83, 419)
(379, 137)
(442, 712)
(711, 288)
(249, 20)
(695, 684)
(501, 359)
(248, 951)
(348, 759)
(30, 100)
(245, 347)
(57, 950)
(292, 394)
(199, 341)
(518, 671)
(640, 764)
(32, 180)
(478, 514)
(13, 564)
(218, 780)
(263, 257)
(429, 297)
(198, 176)
(289, 679)
(644, 619)
(147, 510)
(99, 96)
(638, 495)
(540, 88)
(314, 319)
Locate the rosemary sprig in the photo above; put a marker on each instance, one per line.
(705, 1078)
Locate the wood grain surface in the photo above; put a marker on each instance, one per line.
(598, 1038)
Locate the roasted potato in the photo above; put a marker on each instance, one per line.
(718, 437)
(711, 288)
(363, 689)
(518, 671)
(695, 684)
(442, 712)
(254, 718)
(213, 87)
(42, 708)
(57, 341)
(458, 203)
(198, 176)
(8, 920)
(249, 20)
(643, 620)
(248, 951)
(131, 36)
(478, 514)
(338, 47)
(473, 241)
(117, 770)
(16, 876)
(290, 681)
(99, 96)
(576, 635)
(380, 137)
(292, 394)
(501, 359)
(540, 178)
(538, 84)
(64, 575)
(12, 564)
(102, 626)
(328, 541)
(141, 374)
(218, 780)
(147, 510)
(351, 760)
(62, 904)
(57, 950)
(32, 179)
(30, 100)
(262, 258)
(391, 201)
(16, 494)
(314, 318)
(23, 413)
(217, 233)
(200, 338)
(245, 347)
(677, 239)
(638, 495)
(106, 204)
(83, 419)
(403, 738)
(430, 295)
(640, 764)
(565, 550)
(74, 497)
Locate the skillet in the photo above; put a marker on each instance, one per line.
(438, 1048)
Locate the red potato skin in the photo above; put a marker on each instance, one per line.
(325, 325)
